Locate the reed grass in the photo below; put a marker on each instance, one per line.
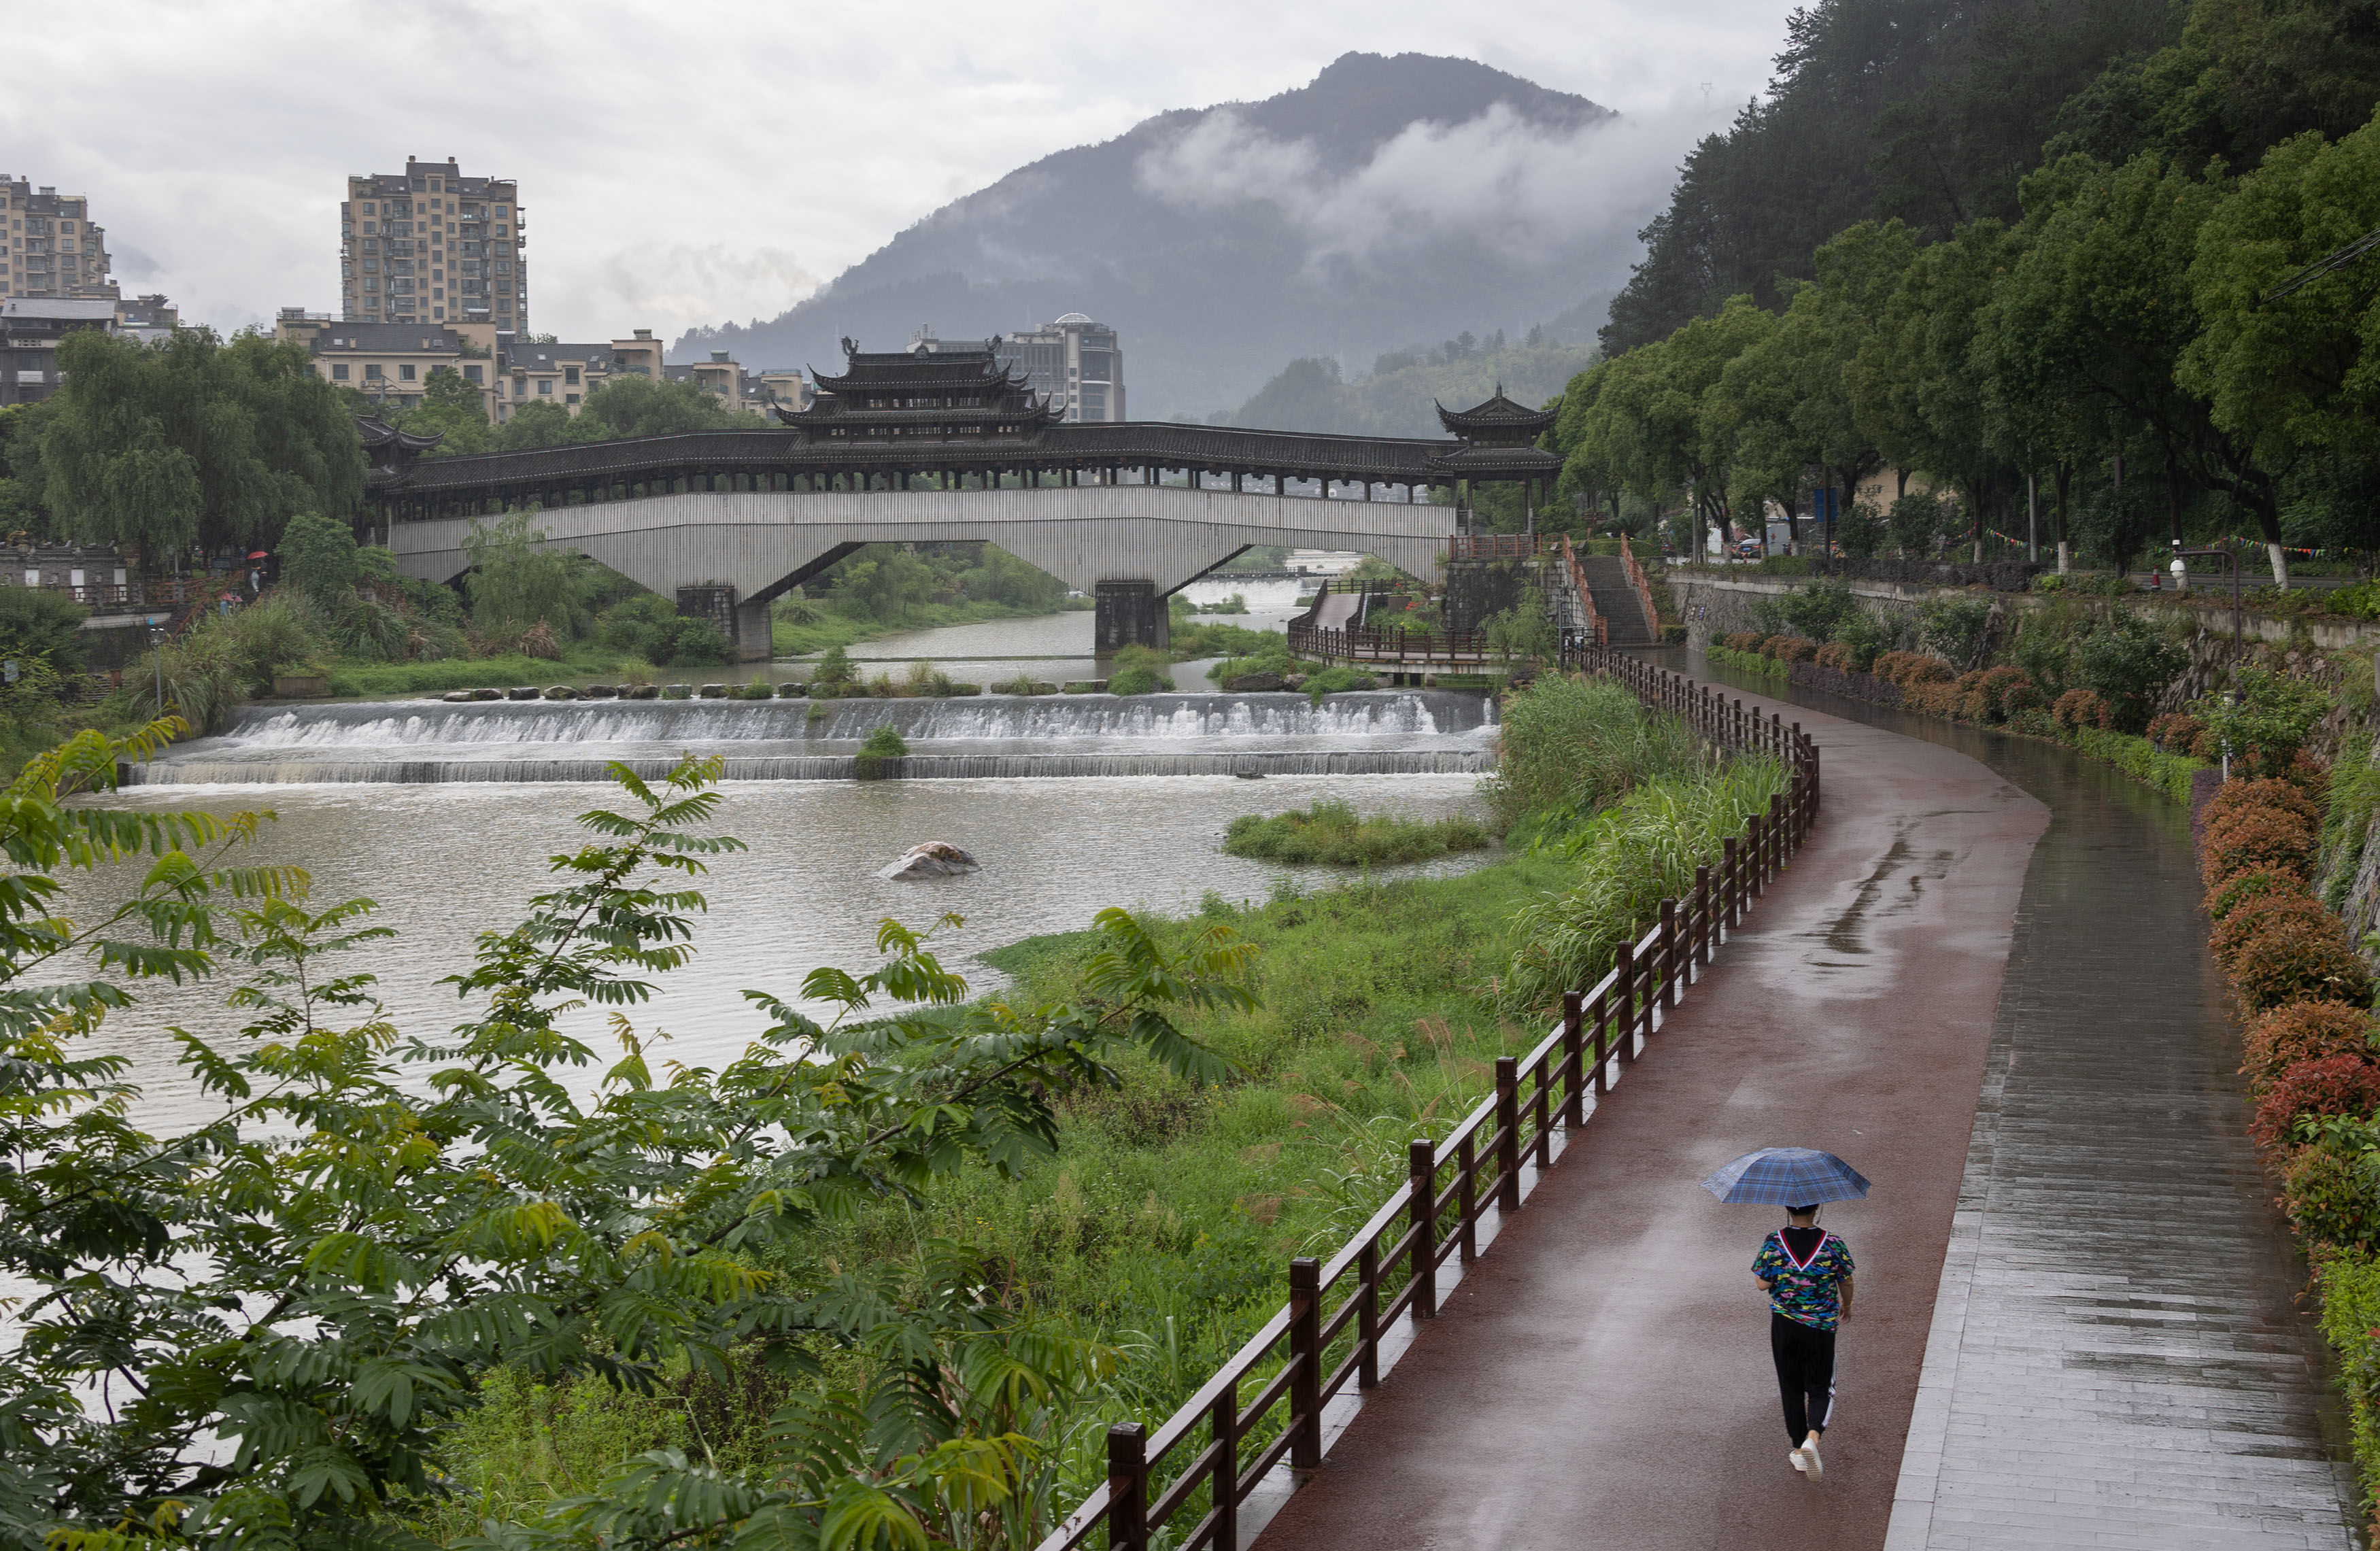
(1330, 833)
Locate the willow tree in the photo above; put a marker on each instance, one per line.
(193, 441)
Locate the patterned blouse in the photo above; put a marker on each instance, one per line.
(1808, 1291)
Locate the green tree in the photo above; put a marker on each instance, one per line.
(38, 624)
(294, 1302)
(518, 580)
(319, 558)
(634, 405)
(194, 440)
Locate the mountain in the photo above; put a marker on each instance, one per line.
(1399, 397)
(1393, 199)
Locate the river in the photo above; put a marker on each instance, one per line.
(379, 801)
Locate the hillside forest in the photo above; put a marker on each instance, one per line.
(2114, 310)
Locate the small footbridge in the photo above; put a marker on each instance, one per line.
(942, 444)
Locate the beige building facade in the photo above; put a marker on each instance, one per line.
(55, 250)
(433, 246)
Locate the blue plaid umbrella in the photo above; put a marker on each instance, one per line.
(1787, 1177)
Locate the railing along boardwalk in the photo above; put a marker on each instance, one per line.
(1265, 1405)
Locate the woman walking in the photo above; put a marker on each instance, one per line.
(1806, 1272)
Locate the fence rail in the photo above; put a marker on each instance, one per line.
(1269, 1396)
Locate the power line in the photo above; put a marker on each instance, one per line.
(2325, 264)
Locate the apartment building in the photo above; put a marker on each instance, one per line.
(431, 246)
(32, 328)
(152, 318)
(53, 249)
(1074, 362)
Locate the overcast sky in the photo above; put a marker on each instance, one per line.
(686, 164)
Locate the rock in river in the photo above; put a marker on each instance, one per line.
(933, 859)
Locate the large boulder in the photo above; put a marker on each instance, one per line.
(560, 691)
(933, 859)
(523, 692)
(1255, 683)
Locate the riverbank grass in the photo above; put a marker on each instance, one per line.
(1332, 834)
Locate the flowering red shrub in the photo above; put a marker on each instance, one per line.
(2231, 893)
(2268, 837)
(2176, 733)
(2332, 1085)
(1906, 669)
(1789, 649)
(2304, 1031)
(1740, 640)
(2239, 797)
(2083, 707)
(2252, 916)
(2327, 1201)
(1993, 694)
(2298, 958)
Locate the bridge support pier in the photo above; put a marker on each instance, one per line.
(1131, 614)
(754, 641)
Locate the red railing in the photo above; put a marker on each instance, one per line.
(1644, 588)
(1331, 1330)
(1598, 629)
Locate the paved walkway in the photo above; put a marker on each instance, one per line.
(2117, 1358)
(1601, 1378)
(2110, 1352)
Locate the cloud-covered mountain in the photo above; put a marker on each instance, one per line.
(1392, 201)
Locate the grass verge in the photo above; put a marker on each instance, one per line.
(1333, 834)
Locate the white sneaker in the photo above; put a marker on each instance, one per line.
(1812, 1466)
(1793, 1457)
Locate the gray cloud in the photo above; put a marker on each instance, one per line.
(698, 164)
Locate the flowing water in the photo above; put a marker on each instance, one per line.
(446, 815)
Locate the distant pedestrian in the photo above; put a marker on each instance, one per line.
(1806, 1272)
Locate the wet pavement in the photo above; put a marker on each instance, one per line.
(2076, 1301)
(1602, 1376)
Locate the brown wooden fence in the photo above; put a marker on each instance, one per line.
(1193, 1475)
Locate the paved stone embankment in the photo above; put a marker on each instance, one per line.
(2075, 1303)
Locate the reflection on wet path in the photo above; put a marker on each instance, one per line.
(2117, 1358)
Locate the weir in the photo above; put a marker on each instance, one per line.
(1364, 732)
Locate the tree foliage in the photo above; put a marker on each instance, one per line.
(192, 441)
(282, 1310)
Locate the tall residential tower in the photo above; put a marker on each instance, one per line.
(431, 246)
(53, 250)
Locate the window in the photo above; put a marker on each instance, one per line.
(370, 283)
(570, 398)
(545, 386)
(368, 207)
(405, 373)
(570, 375)
(371, 373)
(371, 266)
(471, 373)
(339, 371)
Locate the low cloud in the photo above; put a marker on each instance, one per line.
(1515, 185)
(670, 288)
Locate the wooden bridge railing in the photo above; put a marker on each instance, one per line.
(1265, 1405)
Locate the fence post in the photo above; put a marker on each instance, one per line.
(1127, 1487)
(1306, 1355)
(1508, 1134)
(1672, 987)
(1777, 852)
(1624, 1015)
(1540, 1115)
(1599, 1046)
(1698, 938)
(1756, 845)
(1367, 1314)
(1421, 1160)
(1727, 882)
(1466, 1195)
(1226, 1427)
(1573, 1105)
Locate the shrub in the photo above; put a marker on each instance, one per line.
(2228, 894)
(2295, 958)
(833, 667)
(2082, 707)
(1834, 654)
(2128, 662)
(2342, 1085)
(2304, 1031)
(883, 746)
(2264, 721)
(2258, 838)
(1908, 669)
(2178, 733)
(1740, 640)
(2252, 916)
(1998, 691)
(1789, 649)
(34, 622)
(2328, 1200)
(1139, 671)
(1955, 628)
(2240, 796)
(1864, 634)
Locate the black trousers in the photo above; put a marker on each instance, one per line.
(1805, 1373)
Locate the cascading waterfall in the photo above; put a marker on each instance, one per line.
(1377, 733)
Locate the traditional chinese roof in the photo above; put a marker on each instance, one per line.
(1497, 422)
(390, 452)
(943, 395)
